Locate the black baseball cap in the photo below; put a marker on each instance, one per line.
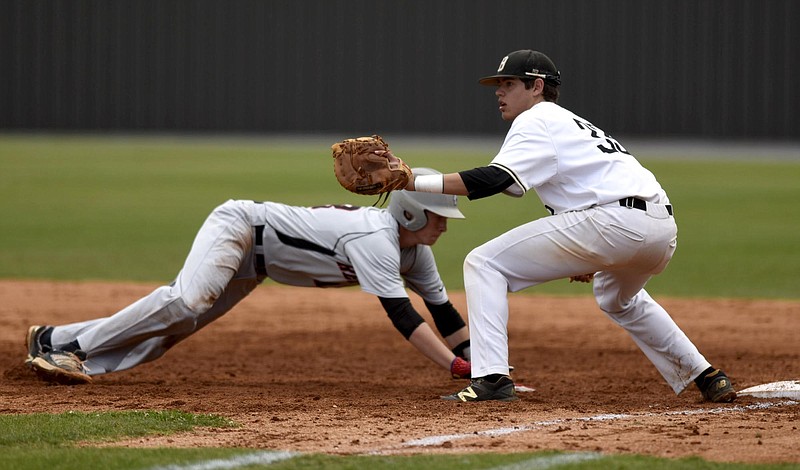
(525, 64)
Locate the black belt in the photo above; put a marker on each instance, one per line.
(636, 203)
(261, 264)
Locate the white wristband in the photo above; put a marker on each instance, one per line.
(429, 183)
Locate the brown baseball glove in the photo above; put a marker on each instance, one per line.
(362, 171)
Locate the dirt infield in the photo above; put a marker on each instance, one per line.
(322, 370)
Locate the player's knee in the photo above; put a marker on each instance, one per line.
(199, 304)
(474, 262)
(177, 317)
(612, 305)
(188, 302)
(609, 308)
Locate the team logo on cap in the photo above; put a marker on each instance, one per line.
(502, 63)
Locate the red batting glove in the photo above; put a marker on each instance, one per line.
(460, 368)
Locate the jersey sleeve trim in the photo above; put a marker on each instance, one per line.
(513, 175)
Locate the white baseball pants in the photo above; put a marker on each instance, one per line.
(623, 246)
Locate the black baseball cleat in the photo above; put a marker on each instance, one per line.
(481, 389)
(62, 367)
(33, 341)
(716, 387)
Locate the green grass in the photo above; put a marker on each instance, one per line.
(738, 226)
(54, 430)
(128, 208)
(64, 441)
(56, 440)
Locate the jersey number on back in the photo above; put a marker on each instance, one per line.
(612, 147)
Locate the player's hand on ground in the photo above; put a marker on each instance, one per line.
(460, 368)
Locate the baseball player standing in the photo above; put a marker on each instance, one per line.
(610, 218)
(242, 243)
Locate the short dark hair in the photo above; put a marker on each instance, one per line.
(549, 92)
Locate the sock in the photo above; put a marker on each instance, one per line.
(493, 378)
(44, 339)
(71, 346)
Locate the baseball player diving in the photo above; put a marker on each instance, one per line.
(244, 242)
(610, 220)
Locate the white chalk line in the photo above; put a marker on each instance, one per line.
(544, 462)
(550, 461)
(438, 440)
(256, 458)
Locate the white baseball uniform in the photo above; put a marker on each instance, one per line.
(239, 245)
(580, 174)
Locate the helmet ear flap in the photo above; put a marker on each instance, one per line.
(418, 220)
(409, 213)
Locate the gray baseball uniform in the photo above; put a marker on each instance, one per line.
(240, 244)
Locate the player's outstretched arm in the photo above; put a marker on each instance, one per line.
(476, 183)
(414, 328)
(451, 326)
(426, 341)
(450, 183)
